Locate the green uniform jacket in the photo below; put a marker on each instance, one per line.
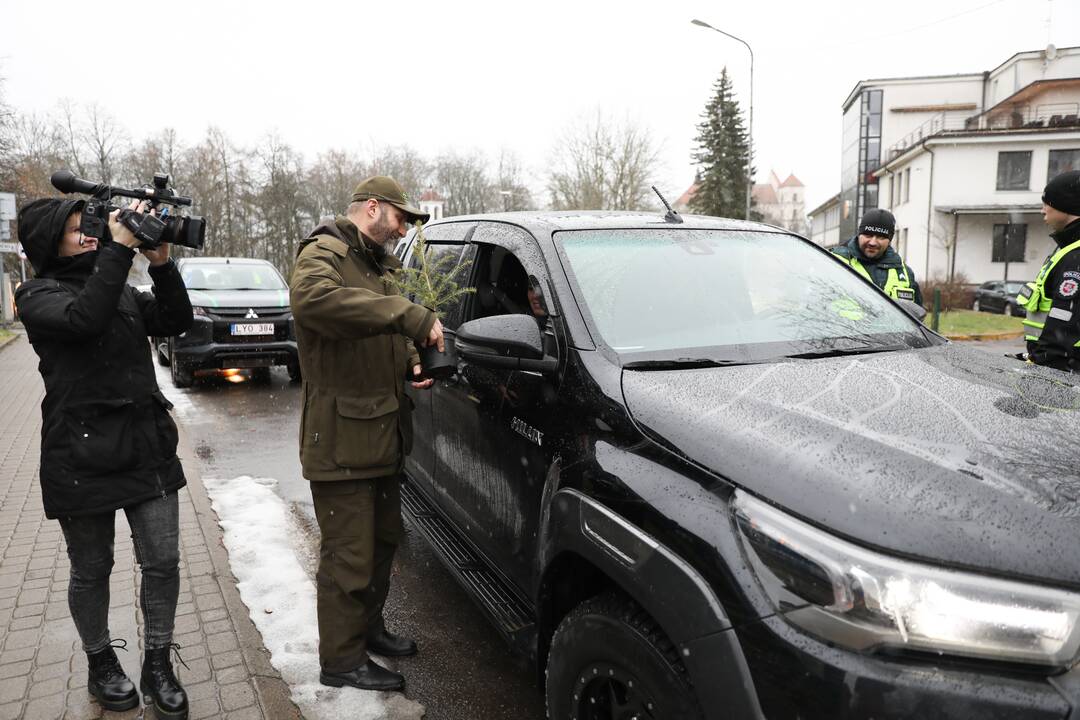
(353, 330)
(879, 269)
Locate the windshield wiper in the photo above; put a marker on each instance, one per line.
(684, 363)
(838, 352)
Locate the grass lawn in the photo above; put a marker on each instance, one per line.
(969, 322)
(4, 333)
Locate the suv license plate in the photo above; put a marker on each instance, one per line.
(253, 329)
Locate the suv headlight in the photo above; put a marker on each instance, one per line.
(864, 600)
(199, 310)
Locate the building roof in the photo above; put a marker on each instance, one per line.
(1029, 53)
(430, 195)
(792, 181)
(834, 200)
(764, 194)
(1033, 90)
(684, 199)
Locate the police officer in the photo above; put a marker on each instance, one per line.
(1052, 325)
(355, 333)
(869, 254)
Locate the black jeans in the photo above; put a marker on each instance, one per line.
(155, 530)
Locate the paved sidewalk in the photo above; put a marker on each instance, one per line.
(42, 666)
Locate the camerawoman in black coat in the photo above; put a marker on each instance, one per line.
(107, 439)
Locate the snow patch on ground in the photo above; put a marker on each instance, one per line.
(281, 601)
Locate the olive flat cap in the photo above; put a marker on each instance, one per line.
(387, 189)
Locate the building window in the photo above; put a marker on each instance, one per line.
(907, 184)
(1062, 161)
(1010, 243)
(1014, 170)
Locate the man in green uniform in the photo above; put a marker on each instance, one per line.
(869, 254)
(1052, 325)
(355, 333)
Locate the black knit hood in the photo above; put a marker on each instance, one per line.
(41, 226)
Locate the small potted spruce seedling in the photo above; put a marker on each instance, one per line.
(433, 283)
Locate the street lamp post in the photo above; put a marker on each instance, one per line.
(750, 122)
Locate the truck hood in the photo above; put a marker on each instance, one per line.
(944, 454)
(239, 298)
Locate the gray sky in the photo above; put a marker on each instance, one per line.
(487, 75)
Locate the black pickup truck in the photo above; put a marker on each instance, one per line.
(699, 469)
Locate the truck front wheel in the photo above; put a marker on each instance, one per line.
(610, 660)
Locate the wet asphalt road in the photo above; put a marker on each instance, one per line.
(464, 670)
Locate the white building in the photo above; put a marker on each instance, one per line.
(961, 160)
(782, 203)
(433, 204)
(824, 221)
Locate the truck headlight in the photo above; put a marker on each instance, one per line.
(867, 601)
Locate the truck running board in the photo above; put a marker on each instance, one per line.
(511, 615)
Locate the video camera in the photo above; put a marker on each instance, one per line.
(151, 229)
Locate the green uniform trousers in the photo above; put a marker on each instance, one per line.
(360, 522)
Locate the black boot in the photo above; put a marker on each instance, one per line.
(385, 643)
(107, 681)
(369, 676)
(160, 687)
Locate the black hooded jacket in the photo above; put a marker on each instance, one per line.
(107, 440)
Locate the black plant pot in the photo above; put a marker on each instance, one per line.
(438, 365)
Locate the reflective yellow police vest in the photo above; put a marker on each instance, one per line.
(1033, 296)
(898, 286)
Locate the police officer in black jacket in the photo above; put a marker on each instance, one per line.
(107, 440)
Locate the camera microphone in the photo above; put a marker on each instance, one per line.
(66, 182)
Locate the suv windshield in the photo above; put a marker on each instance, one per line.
(692, 295)
(227, 276)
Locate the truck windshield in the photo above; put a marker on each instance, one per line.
(228, 276)
(727, 295)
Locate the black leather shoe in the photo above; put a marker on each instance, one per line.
(368, 676)
(160, 687)
(389, 645)
(107, 681)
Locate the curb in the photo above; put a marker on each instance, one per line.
(987, 336)
(272, 693)
(5, 341)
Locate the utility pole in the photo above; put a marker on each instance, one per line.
(7, 214)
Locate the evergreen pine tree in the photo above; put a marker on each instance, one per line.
(722, 151)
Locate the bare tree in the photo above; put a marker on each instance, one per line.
(330, 181)
(509, 179)
(156, 154)
(68, 130)
(280, 203)
(405, 165)
(104, 139)
(463, 180)
(36, 152)
(600, 165)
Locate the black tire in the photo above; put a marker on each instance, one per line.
(294, 372)
(609, 659)
(183, 376)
